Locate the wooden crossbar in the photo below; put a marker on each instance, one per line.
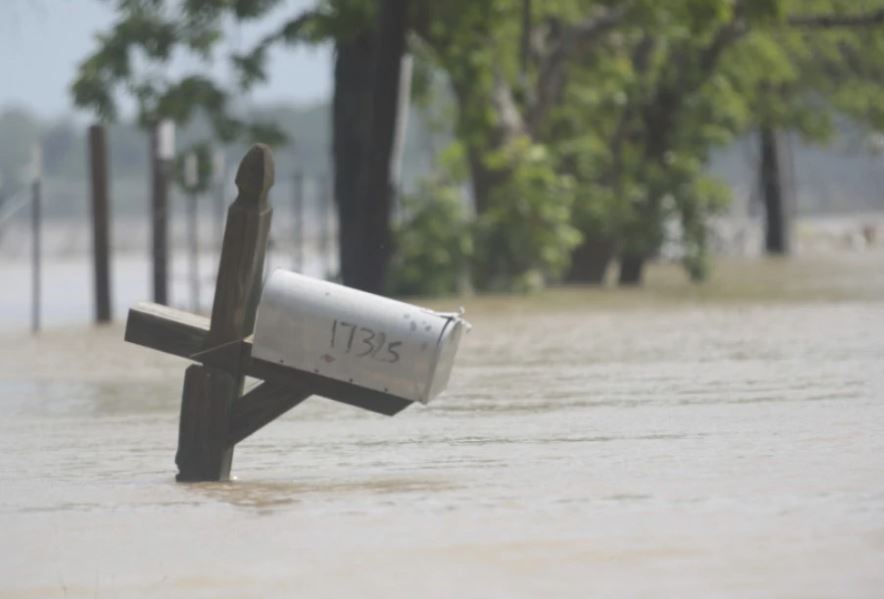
(183, 334)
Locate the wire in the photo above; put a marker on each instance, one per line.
(10, 211)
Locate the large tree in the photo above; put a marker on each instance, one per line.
(507, 64)
(825, 60)
(366, 265)
(681, 78)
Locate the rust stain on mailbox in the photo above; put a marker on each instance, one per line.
(357, 337)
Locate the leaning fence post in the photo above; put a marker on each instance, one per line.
(100, 222)
(204, 451)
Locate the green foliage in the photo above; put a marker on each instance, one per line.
(434, 243)
(524, 237)
(142, 42)
(642, 112)
(800, 77)
(698, 199)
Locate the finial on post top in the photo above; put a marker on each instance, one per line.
(254, 178)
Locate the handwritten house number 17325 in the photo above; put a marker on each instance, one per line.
(369, 343)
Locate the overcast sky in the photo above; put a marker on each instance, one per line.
(43, 41)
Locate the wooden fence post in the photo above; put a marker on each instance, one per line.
(298, 219)
(159, 206)
(219, 174)
(191, 180)
(204, 450)
(36, 243)
(100, 222)
(322, 192)
(193, 258)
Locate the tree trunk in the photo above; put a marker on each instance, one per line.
(507, 126)
(484, 180)
(375, 192)
(632, 267)
(590, 260)
(776, 234)
(351, 117)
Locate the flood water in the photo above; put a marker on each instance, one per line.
(675, 441)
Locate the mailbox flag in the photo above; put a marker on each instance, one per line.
(360, 338)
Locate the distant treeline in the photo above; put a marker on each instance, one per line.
(844, 176)
(63, 143)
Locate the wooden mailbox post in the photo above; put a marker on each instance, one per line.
(215, 415)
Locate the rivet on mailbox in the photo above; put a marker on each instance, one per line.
(392, 347)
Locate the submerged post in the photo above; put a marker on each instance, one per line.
(204, 451)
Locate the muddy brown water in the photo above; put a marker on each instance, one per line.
(676, 441)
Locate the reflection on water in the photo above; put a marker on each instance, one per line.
(722, 444)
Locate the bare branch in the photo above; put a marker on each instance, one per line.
(551, 78)
(525, 49)
(250, 65)
(692, 72)
(872, 19)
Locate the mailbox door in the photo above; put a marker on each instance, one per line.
(353, 336)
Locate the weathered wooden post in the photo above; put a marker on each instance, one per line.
(100, 222)
(386, 355)
(209, 393)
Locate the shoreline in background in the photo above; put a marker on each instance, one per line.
(824, 274)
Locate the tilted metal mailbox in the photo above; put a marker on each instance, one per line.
(356, 337)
